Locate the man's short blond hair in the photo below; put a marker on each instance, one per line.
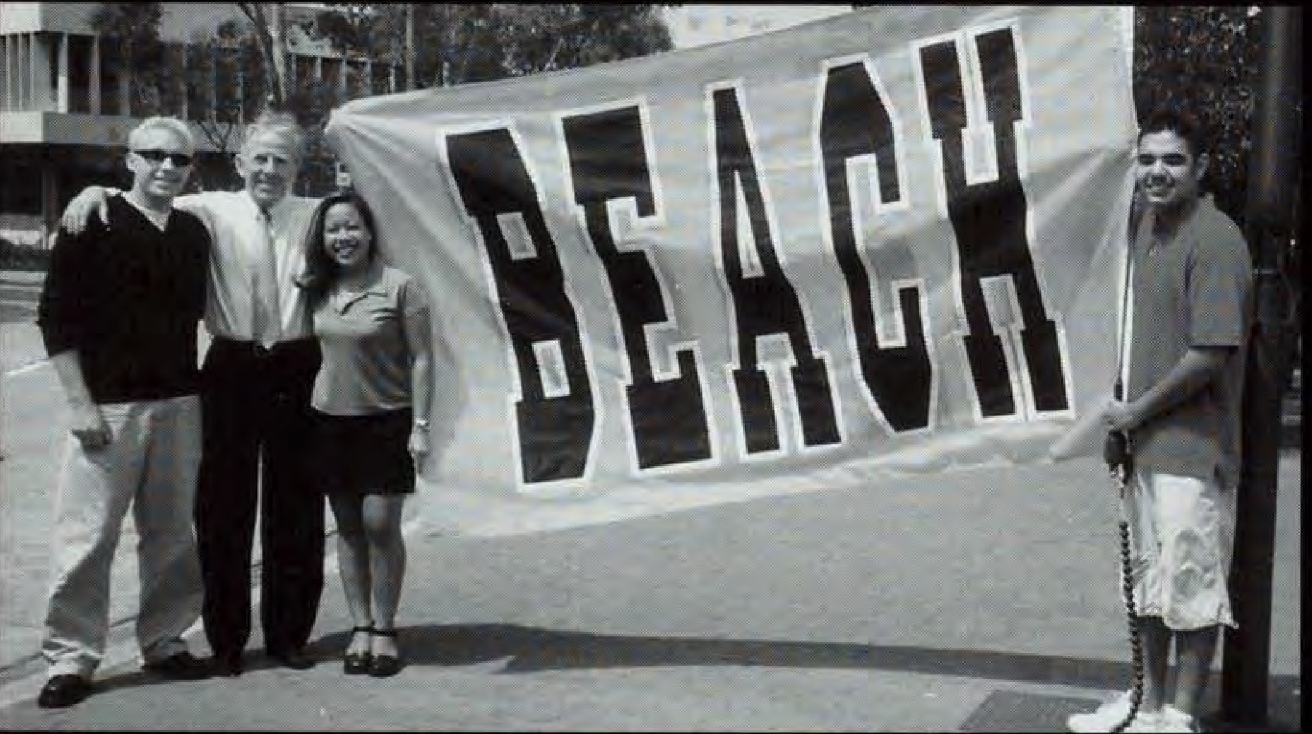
(281, 124)
(162, 122)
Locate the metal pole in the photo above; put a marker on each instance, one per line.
(1273, 177)
(410, 82)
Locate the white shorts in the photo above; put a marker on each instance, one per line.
(1181, 540)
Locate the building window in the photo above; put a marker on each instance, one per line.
(381, 75)
(50, 47)
(304, 69)
(356, 81)
(200, 76)
(111, 76)
(228, 86)
(79, 73)
(173, 85)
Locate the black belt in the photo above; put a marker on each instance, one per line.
(257, 349)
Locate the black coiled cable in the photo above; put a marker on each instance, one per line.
(1120, 463)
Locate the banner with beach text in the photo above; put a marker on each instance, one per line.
(884, 242)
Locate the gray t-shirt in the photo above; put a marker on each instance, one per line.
(1194, 289)
(366, 359)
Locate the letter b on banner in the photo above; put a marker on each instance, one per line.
(555, 431)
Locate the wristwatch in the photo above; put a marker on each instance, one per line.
(421, 424)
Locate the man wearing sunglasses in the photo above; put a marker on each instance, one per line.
(256, 383)
(119, 313)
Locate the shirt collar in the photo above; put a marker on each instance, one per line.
(277, 211)
(376, 286)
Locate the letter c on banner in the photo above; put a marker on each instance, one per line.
(855, 122)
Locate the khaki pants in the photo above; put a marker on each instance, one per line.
(150, 466)
(1182, 542)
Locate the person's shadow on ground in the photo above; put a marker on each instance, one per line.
(532, 649)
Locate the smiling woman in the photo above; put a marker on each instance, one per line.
(372, 399)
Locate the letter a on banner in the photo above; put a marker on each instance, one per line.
(765, 302)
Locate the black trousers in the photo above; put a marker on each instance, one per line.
(257, 425)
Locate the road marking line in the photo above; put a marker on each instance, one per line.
(24, 369)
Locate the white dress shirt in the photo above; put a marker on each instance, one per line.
(234, 222)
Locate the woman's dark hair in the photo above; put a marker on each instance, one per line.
(1175, 120)
(320, 271)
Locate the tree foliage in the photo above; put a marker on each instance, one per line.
(134, 49)
(459, 43)
(1205, 59)
(226, 80)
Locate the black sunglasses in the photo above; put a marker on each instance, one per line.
(159, 156)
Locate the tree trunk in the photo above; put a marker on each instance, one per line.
(410, 83)
(278, 49)
(269, 22)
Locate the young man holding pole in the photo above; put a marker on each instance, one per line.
(1188, 313)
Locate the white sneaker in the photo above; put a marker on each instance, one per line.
(1145, 724)
(1110, 715)
(1173, 720)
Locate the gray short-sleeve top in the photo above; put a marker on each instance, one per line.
(366, 359)
(1192, 290)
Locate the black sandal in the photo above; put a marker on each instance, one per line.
(358, 663)
(384, 666)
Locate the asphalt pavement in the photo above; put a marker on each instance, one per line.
(982, 600)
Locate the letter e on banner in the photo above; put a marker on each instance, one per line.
(608, 162)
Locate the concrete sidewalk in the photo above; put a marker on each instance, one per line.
(980, 601)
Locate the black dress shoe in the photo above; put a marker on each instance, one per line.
(180, 666)
(357, 663)
(295, 659)
(385, 666)
(226, 666)
(63, 690)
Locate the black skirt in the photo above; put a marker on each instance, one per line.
(364, 454)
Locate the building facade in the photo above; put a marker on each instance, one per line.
(67, 100)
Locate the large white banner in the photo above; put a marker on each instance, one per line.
(885, 242)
